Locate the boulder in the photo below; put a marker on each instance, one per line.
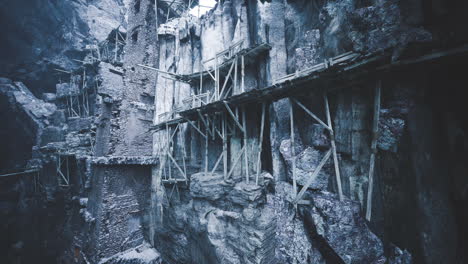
(209, 187)
(247, 194)
(79, 123)
(339, 229)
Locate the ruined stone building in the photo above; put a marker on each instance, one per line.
(234, 131)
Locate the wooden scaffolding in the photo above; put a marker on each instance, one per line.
(219, 114)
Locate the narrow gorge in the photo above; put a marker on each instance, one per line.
(233, 131)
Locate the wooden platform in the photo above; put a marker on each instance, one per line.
(250, 56)
(335, 77)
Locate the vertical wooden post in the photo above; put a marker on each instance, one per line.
(246, 160)
(168, 149)
(293, 151)
(184, 153)
(242, 74)
(201, 66)
(260, 143)
(68, 170)
(217, 79)
(333, 145)
(98, 52)
(116, 44)
(234, 89)
(225, 157)
(206, 149)
(375, 130)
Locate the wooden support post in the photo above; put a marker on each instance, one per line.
(260, 144)
(217, 80)
(375, 131)
(184, 155)
(206, 150)
(333, 146)
(246, 159)
(312, 177)
(242, 74)
(168, 149)
(293, 152)
(98, 52)
(235, 91)
(213, 122)
(116, 44)
(68, 170)
(225, 157)
(201, 79)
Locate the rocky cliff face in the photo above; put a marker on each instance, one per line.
(40, 36)
(106, 209)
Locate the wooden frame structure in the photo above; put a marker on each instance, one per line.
(337, 73)
(167, 159)
(104, 53)
(219, 125)
(328, 126)
(63, 169)
(77, 101)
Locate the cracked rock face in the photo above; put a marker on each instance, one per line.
(341, 227)
(51, 34)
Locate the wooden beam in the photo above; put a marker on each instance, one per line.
(260, 144)
(206, 150)
(242, 74)
(205, 122)
(292, 149)
(196, 128)
(333, 146)
(236, 161)
(177, 165)
(217, 163)
(227, 79)
(225, 157)
(246, 159)
(310, 113)
(375, 131)
(312, 177)
(19, 173)
(233, 116)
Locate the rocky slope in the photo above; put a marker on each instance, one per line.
(40, 36)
